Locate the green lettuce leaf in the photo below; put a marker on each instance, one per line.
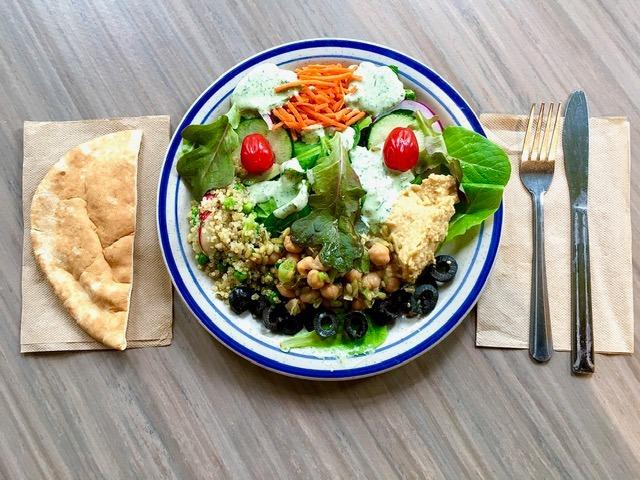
(335, 205)
(340, 343)
(485, 172)
(209, 164)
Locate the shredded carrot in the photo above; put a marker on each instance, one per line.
(299, 83)
(319, 99)
(355, 118)
(295, 112)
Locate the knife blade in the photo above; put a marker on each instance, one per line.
(575, 145)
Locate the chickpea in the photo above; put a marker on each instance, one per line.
(289, 246)
(353, 275)
(371, 281)
(318, 264)
(307, 264)
(273, 258)
(316, 279)
(294, 256)
(358, 304)
(312, 296)
(286, 292)
(379, 255)
(331, 291)
(391, 284)
(390, 271)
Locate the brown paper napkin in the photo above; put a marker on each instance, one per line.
(503, 309)
(46, 325)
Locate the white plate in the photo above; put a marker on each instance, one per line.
(245, 336)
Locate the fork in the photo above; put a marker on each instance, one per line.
(536, 171)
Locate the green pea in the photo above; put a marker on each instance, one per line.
(240, 276)
(229, 203)
(202, 259)
(247, 207)
(194, 215)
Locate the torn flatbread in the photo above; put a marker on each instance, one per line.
(83, 219)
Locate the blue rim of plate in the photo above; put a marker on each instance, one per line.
(242, 350)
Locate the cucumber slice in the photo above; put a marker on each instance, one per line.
(382, 127)
(279, 140)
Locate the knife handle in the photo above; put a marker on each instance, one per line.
(581, 317)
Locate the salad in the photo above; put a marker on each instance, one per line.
(322, 197)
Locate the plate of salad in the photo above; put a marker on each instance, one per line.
(330, 208)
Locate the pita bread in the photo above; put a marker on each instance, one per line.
(83, 218)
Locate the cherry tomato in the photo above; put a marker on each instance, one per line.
(256, 154)
(401, 149)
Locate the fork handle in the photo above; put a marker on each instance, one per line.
(540, 343)
(582, 360)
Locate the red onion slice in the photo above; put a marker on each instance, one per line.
(414, 105)
(267, 119)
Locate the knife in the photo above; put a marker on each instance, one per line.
(575, 145)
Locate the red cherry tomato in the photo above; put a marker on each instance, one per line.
(401, 149)
(256, 154)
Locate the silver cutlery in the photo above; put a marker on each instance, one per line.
(536, 172)
(575, 145)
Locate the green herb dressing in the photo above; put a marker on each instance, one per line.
(378, 91)
(382, 185)
(255, 91)
(290, 191)
(347, 138)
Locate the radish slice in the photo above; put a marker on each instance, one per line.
(209, 195)
(203, 216)
(413, 106)
(267, 119)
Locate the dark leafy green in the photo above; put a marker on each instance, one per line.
(335, 205)
(264, 209)
(275, 225)
(359, 127)
(485, 172)
(209, 164)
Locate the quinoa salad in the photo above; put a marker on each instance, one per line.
(321, 199)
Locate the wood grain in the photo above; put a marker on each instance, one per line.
(196, 410)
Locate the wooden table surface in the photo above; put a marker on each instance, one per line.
(195, 409)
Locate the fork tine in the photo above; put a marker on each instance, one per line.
(546, 139)
(537, 138)
(526, 145)
(551, 153)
